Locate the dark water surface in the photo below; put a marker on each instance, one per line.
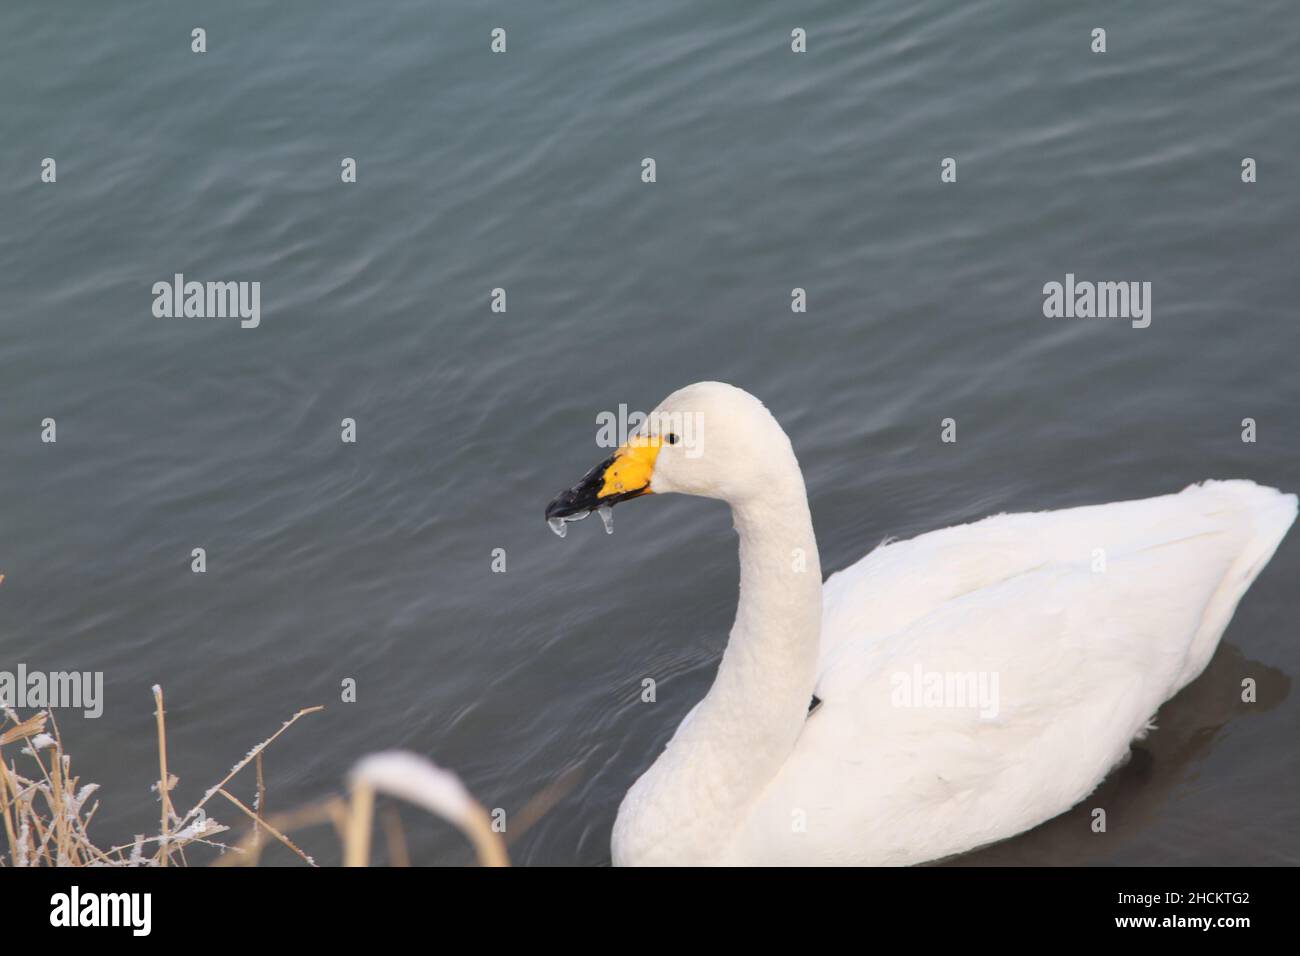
(522, 171)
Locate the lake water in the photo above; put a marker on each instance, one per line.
(522, 171)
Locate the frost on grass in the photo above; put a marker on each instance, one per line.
(248, 758)
(76, 802)
(417, 780)
(24, 839)
(198, 828)
(39, 742)
(45, 811)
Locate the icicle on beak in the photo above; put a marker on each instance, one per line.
(624, 475)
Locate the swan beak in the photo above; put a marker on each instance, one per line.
(622, 476)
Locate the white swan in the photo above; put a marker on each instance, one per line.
(1081, 621)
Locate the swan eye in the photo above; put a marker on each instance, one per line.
(670, 438)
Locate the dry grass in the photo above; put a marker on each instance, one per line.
(47, 812)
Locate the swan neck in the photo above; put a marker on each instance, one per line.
(731, 747)
(759, 700)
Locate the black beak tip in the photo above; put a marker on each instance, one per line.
(561, 506)
(584, 496)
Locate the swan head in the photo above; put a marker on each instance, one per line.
(708, 439)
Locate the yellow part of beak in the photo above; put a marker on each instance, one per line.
(632, 468)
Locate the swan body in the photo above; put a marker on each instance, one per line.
(974, 681)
